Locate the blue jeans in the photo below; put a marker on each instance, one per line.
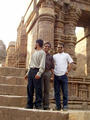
(61, 82)
(34, 85)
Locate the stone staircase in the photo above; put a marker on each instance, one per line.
(12, 87)
(13, 100)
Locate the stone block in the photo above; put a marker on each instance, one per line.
(7, 71)
(12, 80)
(7, 113)
(18, 90)
(79, 115)
(14, 101)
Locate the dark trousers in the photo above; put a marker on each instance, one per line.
(34, 84)
(61, 82)
(45, 88)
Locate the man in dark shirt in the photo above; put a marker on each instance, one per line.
(49, 66)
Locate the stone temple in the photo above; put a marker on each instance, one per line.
(54, 21)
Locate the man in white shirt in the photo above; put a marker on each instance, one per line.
(63, 63)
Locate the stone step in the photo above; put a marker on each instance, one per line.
(18, 90)
(14, 101)
(16, 113)
(12, 80)
(8, 71)
(79, 115)
(12, 113)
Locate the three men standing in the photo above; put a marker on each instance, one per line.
(41, 67)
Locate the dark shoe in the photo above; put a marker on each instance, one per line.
(57, 108)
(46, 108)
(40, 108)
(28, 107)
(65, 108)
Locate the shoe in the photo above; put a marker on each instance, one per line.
(40, 108)
(46, 108)
(28, 107)
(65, 108)
(57, 108)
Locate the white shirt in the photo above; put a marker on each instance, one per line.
(38, 61)
(61, 61)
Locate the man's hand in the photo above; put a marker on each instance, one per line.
(37, 77)
(52, 70)
(26, 77)
(66, 73)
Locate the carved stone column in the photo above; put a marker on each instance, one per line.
(46, 21)
(21, 45)
(59, 24)
(72, 15)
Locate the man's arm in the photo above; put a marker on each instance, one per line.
(69, 67)
(70, 64)
(52, 65)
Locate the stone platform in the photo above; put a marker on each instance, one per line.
(14, 113)
(7, 113)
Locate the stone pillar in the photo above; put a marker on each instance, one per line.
(72, 15)
(59, 24)
(87, 32)
(46, 22)
(21, 45)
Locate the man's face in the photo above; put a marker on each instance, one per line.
(47, 48)
(36, 45)
(60, 48)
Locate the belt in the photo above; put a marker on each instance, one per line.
(34, 68)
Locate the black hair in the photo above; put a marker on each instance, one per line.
(61, 44)
(40, 42)
(48, 44)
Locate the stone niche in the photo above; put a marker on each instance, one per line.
(2, 53)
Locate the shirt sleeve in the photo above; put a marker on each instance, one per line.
(70, 60)
(52, 62)
(42, 65)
